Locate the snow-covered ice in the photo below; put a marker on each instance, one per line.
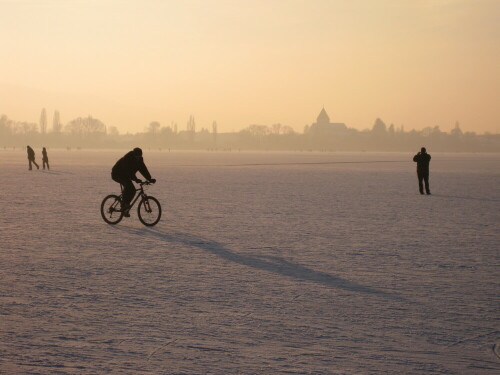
(263, 263)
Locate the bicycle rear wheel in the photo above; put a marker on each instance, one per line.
(111, 209)
(149, 211)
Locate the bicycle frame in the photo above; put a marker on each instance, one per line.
(141, 194)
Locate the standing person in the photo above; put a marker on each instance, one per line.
(31, 157)
(423, 159)
(45, 159)
(124, 172)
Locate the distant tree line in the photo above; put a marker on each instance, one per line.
(89, 132)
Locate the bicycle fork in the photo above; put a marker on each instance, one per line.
(146, 205)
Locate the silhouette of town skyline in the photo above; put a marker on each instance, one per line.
(320, 135)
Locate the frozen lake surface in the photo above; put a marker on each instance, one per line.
(263, 263)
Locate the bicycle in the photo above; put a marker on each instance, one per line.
(149, 209)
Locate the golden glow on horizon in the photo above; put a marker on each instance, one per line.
(241, 62)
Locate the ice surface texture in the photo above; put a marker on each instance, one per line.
(263, 263)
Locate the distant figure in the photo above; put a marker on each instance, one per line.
(31, 157)
(124, 172)
(45, 159)
(423, 159)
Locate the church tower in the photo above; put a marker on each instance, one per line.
(323, 117)
(324, 126)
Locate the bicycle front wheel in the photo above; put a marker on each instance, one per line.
(111, 209)
(149, 211)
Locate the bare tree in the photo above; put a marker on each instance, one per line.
(43, 121)
(5, 126)
(276, 128)
(258, 130)
(191, 127)
(113, 131)
(56, 123)
(214, 131)
(28, 127)
(153, 127)
(85, 126)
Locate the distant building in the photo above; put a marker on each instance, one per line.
(324, 126)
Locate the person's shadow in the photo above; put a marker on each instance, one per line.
(56, 172)
(267, 263)
(466, 198)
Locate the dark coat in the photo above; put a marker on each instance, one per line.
(31, 153)
(44, 155)
(422, 160)
(129, 165)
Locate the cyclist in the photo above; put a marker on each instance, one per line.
(124, 172)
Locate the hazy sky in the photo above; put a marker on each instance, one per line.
(413, 62)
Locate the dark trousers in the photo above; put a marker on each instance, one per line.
(45, 162)
(423, 177)
(34, 162)
(128, 188)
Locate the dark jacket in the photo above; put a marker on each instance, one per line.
(129, 165)
(422, 160)
(31, 153)
(44, 155)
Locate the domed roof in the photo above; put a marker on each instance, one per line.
(323, 117)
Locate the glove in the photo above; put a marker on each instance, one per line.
(152, 180)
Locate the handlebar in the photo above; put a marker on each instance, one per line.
(146, 183)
